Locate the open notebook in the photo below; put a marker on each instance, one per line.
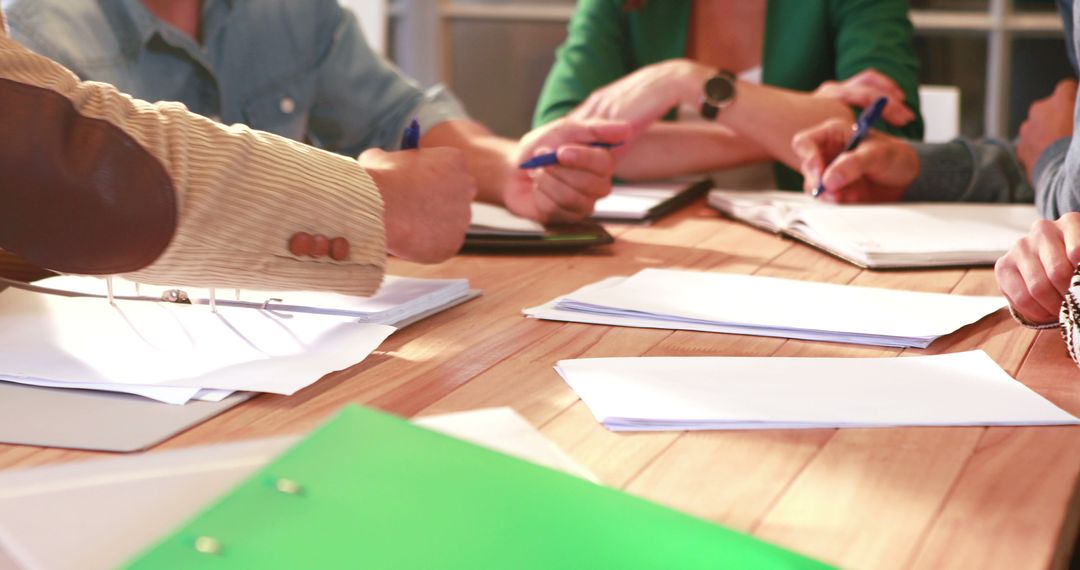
(885, 236)
(64, 333)
(399, 302)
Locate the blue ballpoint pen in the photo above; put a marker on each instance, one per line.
(411, 139)
(549, 159)
(869, 116)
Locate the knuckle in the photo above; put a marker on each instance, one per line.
(1042, 289)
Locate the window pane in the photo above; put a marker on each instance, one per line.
(498, 67)
(972, 5)
(1037, 65)
(958, 60)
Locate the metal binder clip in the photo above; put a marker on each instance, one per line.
(288, 486)
(207, 545)
(175, 296)
(266, 303)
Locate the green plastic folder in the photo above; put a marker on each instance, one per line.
(368, 490)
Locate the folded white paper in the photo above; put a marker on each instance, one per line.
(696, 393)
(765, 306)
(99, 514)
(886, 235)
(140, 347)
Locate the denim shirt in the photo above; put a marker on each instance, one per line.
(300, 69)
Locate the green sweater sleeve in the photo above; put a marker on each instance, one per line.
(877, 34)
(596, 52)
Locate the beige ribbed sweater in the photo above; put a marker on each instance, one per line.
(241, 194)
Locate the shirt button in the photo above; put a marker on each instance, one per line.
(287, 105)
(320, 245)
(300, 244)
(339, 249)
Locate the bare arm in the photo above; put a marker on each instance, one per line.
(771, 116)
(667, 150)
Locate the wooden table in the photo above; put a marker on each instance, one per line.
(862, 498)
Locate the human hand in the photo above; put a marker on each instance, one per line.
(865, 87)
(1034, 275)
(426, 200)
(646, 95)
(879, 170)
(567, 191)
(1048, 120)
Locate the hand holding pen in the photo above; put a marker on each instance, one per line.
(845, 164)
(560, 170)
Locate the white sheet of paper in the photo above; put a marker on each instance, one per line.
(99, 514)
(398, 299)
(676, 393)
(86, 340)
(781, 307)
(176, 395)
(489, 219)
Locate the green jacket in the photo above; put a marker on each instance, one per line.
(806, 42)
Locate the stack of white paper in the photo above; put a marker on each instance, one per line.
(172, 352)
(399, 301)
(764, 306)
(886, 235)
(693, 393)
(99, 514)
(492, 220)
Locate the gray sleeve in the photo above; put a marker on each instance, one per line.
(969, 171)
(1056, 174)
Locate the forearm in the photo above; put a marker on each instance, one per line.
(236, 195)
(487, 155)
(667, 150)
(770, 117)
(969, 171)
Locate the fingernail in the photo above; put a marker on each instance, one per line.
(571, 154)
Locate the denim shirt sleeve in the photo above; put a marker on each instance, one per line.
(362, 101)
(968, 171)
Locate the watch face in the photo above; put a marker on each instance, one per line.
(719, 89)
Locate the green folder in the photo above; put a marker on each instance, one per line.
(369, 490)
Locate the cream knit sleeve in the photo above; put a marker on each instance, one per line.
(241, 194)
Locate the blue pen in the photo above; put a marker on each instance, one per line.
(869, 116)
(549, 159)
(411, 139)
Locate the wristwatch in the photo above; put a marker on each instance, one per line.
(719, 93)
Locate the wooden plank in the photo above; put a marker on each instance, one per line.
(1015, 504)
(862, 459)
